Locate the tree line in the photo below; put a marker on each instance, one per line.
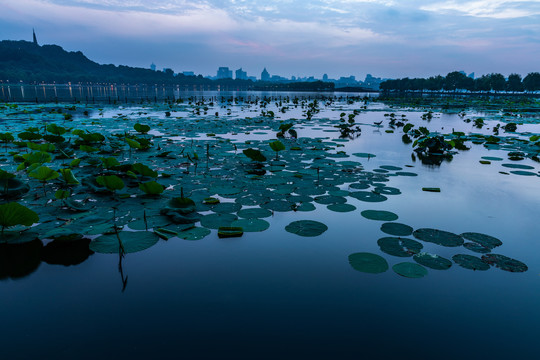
(458, 81)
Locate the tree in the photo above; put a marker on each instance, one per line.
(532, 82)
(514, 83)
(498, 82)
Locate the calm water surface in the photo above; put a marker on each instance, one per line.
(277, 295)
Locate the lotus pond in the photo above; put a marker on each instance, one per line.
(270, 226)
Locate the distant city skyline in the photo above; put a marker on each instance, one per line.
(386, 38)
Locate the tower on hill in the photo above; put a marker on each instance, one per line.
(35, 39)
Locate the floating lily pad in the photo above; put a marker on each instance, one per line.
(476, 247)
(341, 207)
(470, 262)
(522, 173)
(396, 229)
(215, 221)
(278, 205)
(401, 247)
(227, 207)
(379, 215)
(254, 213)
(305, 207)
(432, 261)
(492, 158)
(390, 167)
(306, 228)
(504, 263)
(368, 196)
(329, 200)
(518, 166)
(487, 241)
(132, 241)
(410, 270)
(438, 237)
(251, 225)
(368, 263)
(406, 173)
(364, 155)
(431, 189)
(196, 233)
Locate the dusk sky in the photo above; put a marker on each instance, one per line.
(414, 38)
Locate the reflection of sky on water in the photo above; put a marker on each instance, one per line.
(287, 294)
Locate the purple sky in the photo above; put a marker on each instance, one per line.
(339, 37)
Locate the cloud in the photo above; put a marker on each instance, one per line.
(496, 9)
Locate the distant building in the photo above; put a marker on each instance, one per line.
(241, 74)
(325, 77)
(153, 67)
(252, 78)
(224, 73)
(265, 76)
(471, 75)
(34, 37)
(188, 73)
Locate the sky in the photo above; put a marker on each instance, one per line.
(385, 38)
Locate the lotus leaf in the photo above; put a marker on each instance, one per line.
(13, 213)
(401, 247)
(251, 225)
(484, 240)
(254, 155)
(132, 241)
(151, 188)
(410, 270)
(230, 231)
(504, 263)
(396, 229)
(432, 261)
(215, 221)
(470, 262)
(368, 196)
(254, 213)
(341, 207)
(368, 263)
(111, 182)
(68, 177)
(306, 228)
(438, 237)
(196, 233)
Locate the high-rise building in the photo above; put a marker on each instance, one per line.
(241, 74)
(265, 76)
(325, 77)
(153, 67)
(224, 73)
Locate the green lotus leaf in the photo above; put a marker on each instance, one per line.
(13, 188)
(132, 241)
(438, 237)
(431, 189)
(133, 144)
(364, 155)
(251, 225)
(368, 196)
(151, 188)
(379, 215)
(401, 247)
(196, 233)
(254, 155)
(56, 130)
(39, 157)
(141, 128)
(183, 205)
(144, 170)
(109, 162)
(306, 228)
(62, 194)
(254, 213)
(277, 145)
(111, 182)
(41, 147)
(504, 263)
(44, 173)
(484, 240)
(368, 263)
(13, 213)
(432, 261)
(396, 229)
(215, 221)
(68, 177)
(341, 207)
(27, 135)
(470, 262)
(410, 270)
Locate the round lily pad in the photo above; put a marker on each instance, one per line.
(368, 196)
(396, 229)
(364, 155)
(406, 173)
(329, 199)
(379, 215)
(470, 262)
(487, 241)
(432, 261)
(254, 213)
(195, 233)
(227, 207)
(306, 228)
(132, 241)
(410, 270)
(492, 158)
(476, 247)
(401, 247)
(504, 263)
(278, 205)
(251, 225)
(438, 237)
(215, 221)
(341, 207)
(368, 263)
(305, 207)
(390, 167)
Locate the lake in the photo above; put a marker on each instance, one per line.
(286, 288)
